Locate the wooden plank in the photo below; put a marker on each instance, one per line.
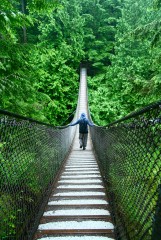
(46, 219)
(81, 189)
(49, 232)
(101, 197)
(88, 206)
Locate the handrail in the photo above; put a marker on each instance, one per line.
(14, 115)
(31, 120)
(134, 114)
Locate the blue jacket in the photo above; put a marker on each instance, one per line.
(83, 123)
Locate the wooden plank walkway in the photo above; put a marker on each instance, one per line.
(78, 207)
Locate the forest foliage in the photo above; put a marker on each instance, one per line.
(43, 42)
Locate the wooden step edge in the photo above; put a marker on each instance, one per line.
(70, 169)
(77, 178)
(80, 189)
(101, 197)
(80, 181)
(46, 219)
(59, 184)
(81, 162)
(90, 206)
(76, 231)
(83, 158)
(86, 166)
(80, 173)
(75, 174)
(46, 233)
(78, 205)
(56, 190)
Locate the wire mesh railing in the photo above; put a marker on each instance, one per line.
(31, 154)
(129, 155)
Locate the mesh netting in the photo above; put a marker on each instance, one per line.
(30, 156)
(129, 154)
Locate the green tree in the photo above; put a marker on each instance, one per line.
(133, 78)
(17, 88)
(100, 22)
(56, 60)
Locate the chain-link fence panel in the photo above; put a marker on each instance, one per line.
(129, 154)
(31, 155)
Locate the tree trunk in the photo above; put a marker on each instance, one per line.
(23, 8)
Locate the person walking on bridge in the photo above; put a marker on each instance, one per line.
(83, 129)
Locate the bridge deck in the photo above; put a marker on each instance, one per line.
(78, 207)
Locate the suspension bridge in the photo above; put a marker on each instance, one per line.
(51, 189)
(78, 204)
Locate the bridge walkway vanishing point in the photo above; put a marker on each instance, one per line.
(78, 207)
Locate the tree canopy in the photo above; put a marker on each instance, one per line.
(43, 43)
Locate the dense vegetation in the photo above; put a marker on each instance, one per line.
(43, 42)
(133, 78)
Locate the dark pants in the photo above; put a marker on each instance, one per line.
(83, 139)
